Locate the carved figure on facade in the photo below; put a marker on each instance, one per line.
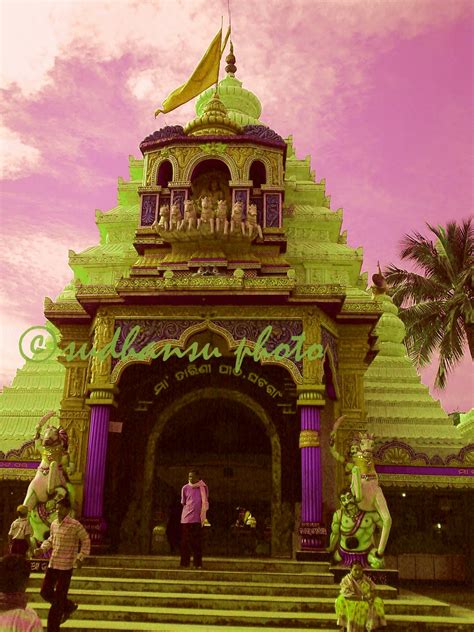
(353, 534)
(213, 185)
(51, 480)
(175, 217)
(365, 485)
(164, 221)
(206, 218)
(350, 392)
(345, 459)
(104, 330)
(236, 219)
(190, 216)
(222, 223)
(251, 225)
(76, 381)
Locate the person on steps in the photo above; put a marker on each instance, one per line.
(195, 502)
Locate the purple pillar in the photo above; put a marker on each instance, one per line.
(311, 530)
(96, 459)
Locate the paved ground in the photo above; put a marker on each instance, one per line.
(460, 596)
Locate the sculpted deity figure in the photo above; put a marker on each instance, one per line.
(346, 460)
(164, 221)
(236, 220)
(207, 214)
(190, 216)
(251, 226)
(353, 533)
(55, 466)
(175, 217)
(364, 484)
(51, 481)
(222, 223)
(213, 191)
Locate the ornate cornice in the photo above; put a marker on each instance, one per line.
(210, 283)
(93, 291)
(321, 290)
(172, 312)
(26, 451)
(16, 474)
(369, 307)
(422, 480)
(63, 307)
(401, 453)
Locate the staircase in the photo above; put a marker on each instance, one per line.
(154, 594)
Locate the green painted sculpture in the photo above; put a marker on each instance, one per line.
(51, 480)
(353, 534)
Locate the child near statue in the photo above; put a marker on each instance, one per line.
(19, 536)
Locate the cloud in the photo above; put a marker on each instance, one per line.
(110, 29)
(11, 329)
(44, 258)
(17, 158)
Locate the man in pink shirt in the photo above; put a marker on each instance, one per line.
(66, 535)
(195, 501)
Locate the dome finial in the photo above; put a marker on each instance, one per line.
(230, 60)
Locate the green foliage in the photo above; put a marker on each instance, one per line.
(437, 306)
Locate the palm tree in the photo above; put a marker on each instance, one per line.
(437, 306)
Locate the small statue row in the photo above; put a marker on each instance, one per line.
(214, 220)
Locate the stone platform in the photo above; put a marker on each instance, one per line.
(386, 576)
(153, 593)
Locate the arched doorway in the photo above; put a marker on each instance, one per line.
(232, 440)
(211, 178)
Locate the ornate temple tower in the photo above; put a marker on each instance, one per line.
(222, 247)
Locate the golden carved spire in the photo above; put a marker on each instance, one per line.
(214, 120)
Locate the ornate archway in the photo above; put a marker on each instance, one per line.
(188, 399)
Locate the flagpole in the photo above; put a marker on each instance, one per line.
(219, 67)
(230, 22)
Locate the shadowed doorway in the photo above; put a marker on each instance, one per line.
(229, 445)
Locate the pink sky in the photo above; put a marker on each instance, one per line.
(379, 93)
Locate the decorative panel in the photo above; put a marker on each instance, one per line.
(148, 214)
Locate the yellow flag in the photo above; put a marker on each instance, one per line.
(206, 73)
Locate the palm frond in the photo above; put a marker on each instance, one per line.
(424, 255)
(461, 241)
(451, 351)
(437, 302)
(410, 287)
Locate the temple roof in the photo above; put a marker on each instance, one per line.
(214, 119)
(243, 107)
(398, 405)
(36, 388)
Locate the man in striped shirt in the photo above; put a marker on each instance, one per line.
(66, 535)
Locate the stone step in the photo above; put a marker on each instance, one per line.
(207, 618)
(125, 626)
(209, 587)
(211, 563)
(187, 575)
(247, 603)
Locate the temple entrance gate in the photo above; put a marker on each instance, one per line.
(231, 439)
(240, 429)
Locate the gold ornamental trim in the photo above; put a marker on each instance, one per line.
(309, 439)
(101, 393)
(310, 395)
